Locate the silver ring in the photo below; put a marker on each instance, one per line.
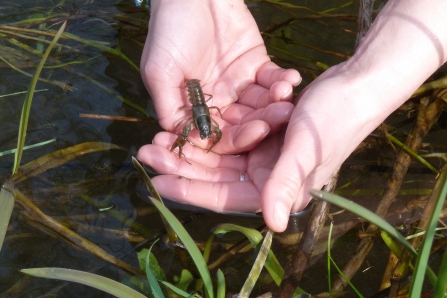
(243, 176)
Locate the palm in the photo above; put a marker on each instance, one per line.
(223, 48)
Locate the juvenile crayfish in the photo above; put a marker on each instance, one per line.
(200, 118)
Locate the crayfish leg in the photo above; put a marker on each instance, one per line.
(214, 107)
(210, 97)
(189, 118)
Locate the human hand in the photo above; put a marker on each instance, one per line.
(338, 110)
(327, 124)
(219, 43)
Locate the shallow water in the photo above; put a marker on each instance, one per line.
(108, 177)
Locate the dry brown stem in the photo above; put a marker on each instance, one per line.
(308, 242)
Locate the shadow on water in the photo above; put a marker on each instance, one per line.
(96, 84)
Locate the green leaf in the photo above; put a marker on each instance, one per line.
(440, 192)
(28, 100)
(220, 284)
(441, 285)
(155, 287)
(153, 263)
(59, 157)
(89, 279)
(331, 261)
(254, 236)
(189, 244)
(185, 280)
(372, 218)
(176, 290)
(272, 265)
(412, 153)
(391, 244)
(6, 207)
(27, 147)
(257, 266)
(207, 249)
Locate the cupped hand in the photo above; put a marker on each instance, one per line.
(217, 42)
(333, 115)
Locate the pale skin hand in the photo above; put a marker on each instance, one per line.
(217, 42)
(406, 44)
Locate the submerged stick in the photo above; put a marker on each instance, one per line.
(308, 242)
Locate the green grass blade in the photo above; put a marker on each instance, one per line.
(372, 218)
(154, 193)
(336, 8)
(252, 235)
(27, 147)
(153, 263)
(272, 264)
(395, 249)
(346, 278)
(220, 284)
(189, 244)
(60, 157)
(441, 285)
(257, 266)
(365, 214)
(21, 92)
(6, 206)
(329, 281)
(146, 179)
(96, 281)
(176, 290)
(207, 249)
(411, 152)
(330, 261)
(155, 287)
(440, 191)
(28, 100)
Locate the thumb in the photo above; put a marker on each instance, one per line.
(285, 187)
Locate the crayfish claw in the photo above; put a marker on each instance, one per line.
(179, 142)
(215, 128)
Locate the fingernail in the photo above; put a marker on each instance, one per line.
(299, 82)
(280, 215)
(287, 94)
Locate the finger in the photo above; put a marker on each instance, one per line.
(275, 115)
(165, 162)
(237, 196)
(284, 187)
(198, 155)
(270, 73)
(242, 138)
(258, 97)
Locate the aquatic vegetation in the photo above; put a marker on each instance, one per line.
(77, 201)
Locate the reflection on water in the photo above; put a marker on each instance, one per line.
(95, 81)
